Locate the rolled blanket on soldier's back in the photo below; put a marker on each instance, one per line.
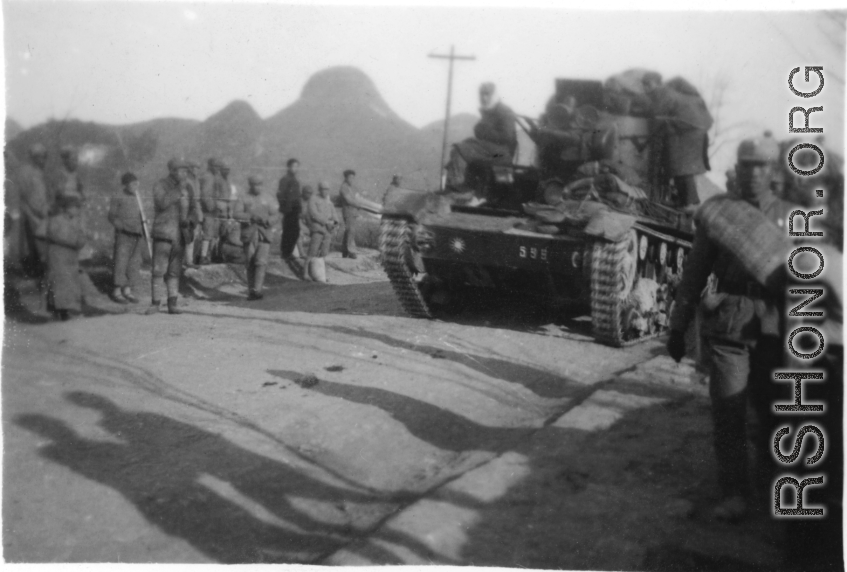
(738, 227)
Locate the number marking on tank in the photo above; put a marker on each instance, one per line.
(532, 253)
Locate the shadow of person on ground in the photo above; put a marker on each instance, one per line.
(434, 425)
(164, 468)
(634, 496)
(540, 382)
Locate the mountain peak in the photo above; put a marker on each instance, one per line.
(238, 111)
(342, 84)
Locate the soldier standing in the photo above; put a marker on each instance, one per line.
(68, 183)
(258, 216)
(35, 200)
(126, 216)
(195, 211)
(323, 220)
(741, 324)
(684, 123)
(210, 191)
(65, 237)
(230, 191)
(170, 201)
(351, 202)
(12, 216)
(288, 194)
(349, 193)
(305, 227)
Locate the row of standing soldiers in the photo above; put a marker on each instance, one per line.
(46, 231)
(189, 206)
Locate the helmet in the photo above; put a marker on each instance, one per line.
(758, 150)
(487, 87)
(177, 163)
(323, 185)
(255, 180)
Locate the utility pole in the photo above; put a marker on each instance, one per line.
(452, 57)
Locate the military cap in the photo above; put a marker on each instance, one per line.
(128, 177)
(67, 151)
(758, 150)
(307, 190)
(177, 163)
(212, 162)
(323, 185)
(222, 165)
(487, 87)
(255, 180)
(37, 149)
(291, 162)
(349, 172)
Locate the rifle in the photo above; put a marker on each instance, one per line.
(144, 225)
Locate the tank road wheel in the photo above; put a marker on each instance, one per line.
(403, 265)
(614, 268)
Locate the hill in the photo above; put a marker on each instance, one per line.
(340, 121)
(461, 127)
(13, 129)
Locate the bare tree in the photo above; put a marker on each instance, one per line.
(722, 134)
(829, 43)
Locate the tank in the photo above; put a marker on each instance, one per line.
(589, 225)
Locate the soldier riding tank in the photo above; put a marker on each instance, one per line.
(591, 222)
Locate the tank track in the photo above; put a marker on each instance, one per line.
(395, 246)
(609, 290)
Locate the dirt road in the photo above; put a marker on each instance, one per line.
(321, 426)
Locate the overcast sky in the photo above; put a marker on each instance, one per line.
(121, 62)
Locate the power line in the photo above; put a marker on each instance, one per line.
(451, 57)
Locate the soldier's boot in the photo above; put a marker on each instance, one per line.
(173, 295)
(730, 439)
(204, 252)
(258, 281)
(172, 307)
(128, 296)
(305, 274)
(189, 255)
(251, 281)
(156, 295)
(117, 296)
